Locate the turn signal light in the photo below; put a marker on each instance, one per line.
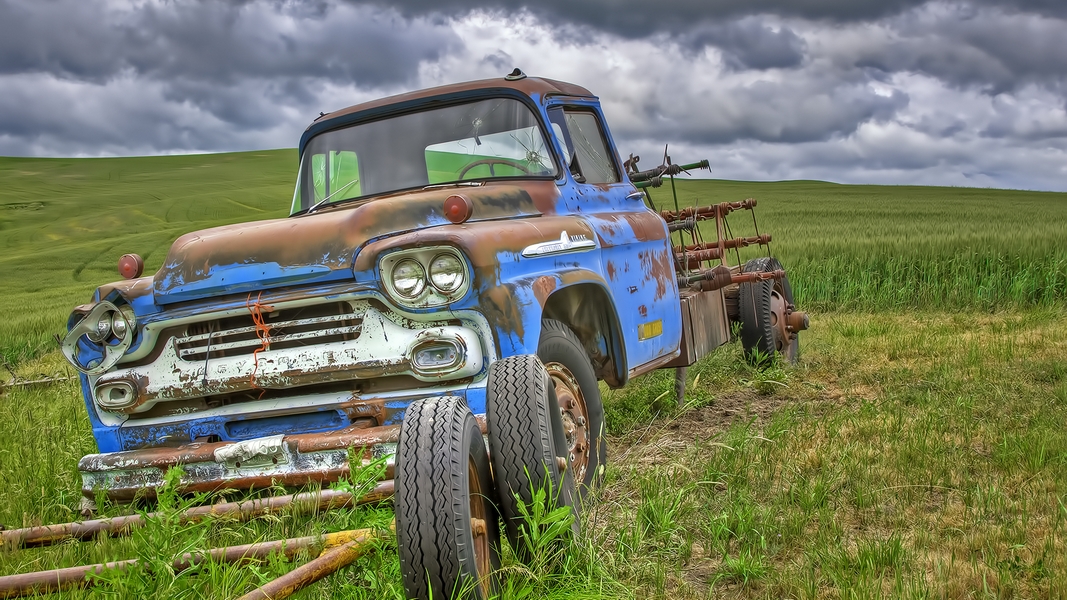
(458, 208)
(131, 266)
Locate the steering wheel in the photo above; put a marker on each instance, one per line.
(494, 161)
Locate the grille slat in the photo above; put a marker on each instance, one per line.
(236, 336)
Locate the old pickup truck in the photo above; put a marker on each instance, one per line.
(461, 267)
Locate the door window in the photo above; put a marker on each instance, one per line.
(584, 142)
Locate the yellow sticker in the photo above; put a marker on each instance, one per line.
(650, 329)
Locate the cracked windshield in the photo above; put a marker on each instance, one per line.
(488, 139)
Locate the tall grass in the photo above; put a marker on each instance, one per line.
(881, 247)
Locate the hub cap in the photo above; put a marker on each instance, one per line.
(575, 418)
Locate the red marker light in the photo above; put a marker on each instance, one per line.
(131, 266)
(458, 208)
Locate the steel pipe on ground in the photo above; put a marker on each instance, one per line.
(56, 580)
(303, 503)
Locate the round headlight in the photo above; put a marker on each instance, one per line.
(119, 324)
(101, 330)
(446, 273)
(409, 278)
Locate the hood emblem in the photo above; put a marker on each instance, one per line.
(565, 243)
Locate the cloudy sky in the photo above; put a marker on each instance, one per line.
(965, 93)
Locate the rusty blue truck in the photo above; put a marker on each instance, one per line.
(461, 266)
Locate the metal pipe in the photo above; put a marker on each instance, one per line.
(739, 242)
(56, 580)
(326, 564)
(705, 212)
(303, 503)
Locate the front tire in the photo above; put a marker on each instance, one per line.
(446, 524)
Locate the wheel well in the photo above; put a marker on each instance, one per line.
(581, 307)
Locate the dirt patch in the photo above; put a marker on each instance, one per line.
(662, 440)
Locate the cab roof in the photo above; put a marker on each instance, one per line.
(533, 87)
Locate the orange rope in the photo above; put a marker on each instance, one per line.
(262, 332)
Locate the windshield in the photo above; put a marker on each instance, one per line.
(488, 139)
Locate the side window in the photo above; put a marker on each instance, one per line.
(337, 175)
(589, 158)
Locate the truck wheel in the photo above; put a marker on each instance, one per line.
(527, 443)
(578, 396)
(446, 524)
(763, 307)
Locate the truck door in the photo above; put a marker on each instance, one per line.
(636, 257)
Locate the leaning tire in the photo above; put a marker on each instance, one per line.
(762, 306)
(527, 443)
(446, 524)
(578, 396)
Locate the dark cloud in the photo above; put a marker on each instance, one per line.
(990, 49)
(640, 18)
(239, 67)
(748, 43)
(220, 42)
(787, 110)
(894, 91)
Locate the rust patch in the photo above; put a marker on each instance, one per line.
(647, 225)
(642, 310)
(658, 265)
(611, 270)
(543, 288)
(502, 310)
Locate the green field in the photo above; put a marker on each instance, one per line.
(917, 450)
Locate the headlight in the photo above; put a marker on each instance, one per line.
(108, 334)
(425, 276)
(409, 278)
(120, 324)
(446, 273)
(101, 330)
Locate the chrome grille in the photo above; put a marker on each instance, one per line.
(290, 328)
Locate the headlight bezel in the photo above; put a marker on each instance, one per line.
(431, 294)
(97, 326)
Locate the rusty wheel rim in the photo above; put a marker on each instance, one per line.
(780, 309)
(479, 530)
(575, 416)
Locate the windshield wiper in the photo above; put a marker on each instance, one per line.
(437, 186)
(337, 191)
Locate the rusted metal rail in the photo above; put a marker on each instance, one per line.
(56, 580)
(707, 212)
(694, 254)
(328, 563)
(303, 503)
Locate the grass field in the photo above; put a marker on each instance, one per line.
(917, 450)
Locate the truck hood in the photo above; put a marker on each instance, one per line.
(322, 246)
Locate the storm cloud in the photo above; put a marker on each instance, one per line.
(898, 91)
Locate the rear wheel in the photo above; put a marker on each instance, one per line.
(578, 396)
(764, 308)
(446, 524)
(528, 445)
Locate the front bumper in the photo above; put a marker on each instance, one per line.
(287, 460)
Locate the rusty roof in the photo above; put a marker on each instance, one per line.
(529, 86)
